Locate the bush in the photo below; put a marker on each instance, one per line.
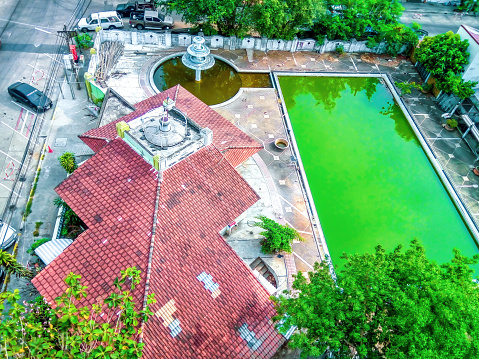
(36, 233)
(37, 244)
(84, 41)
(68, 162)
(340, 49)
(277, 237)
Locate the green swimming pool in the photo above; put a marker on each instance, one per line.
(369, 177)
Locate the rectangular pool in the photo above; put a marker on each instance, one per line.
(370, 179)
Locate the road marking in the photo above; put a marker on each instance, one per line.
(20, 106)
(6, 154)
(30, 125)
(19, 118)
(14, 130)
(24, 121)
(1, 184)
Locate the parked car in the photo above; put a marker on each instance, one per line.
(124, 10)
(30, 96)
(8, 236)
(106, 19)
(150, 20)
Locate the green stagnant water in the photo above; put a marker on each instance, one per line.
(369, 176)
(218, 84)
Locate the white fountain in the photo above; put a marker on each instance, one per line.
(198, 57)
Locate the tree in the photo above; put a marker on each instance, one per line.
(229, 17)
(394, 305)
(443, 53)
(282, 19)
(277, 237)
(10, 264)
(36, 330)
(68, 162)
(445, 56)
(344, 20)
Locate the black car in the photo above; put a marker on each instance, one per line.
(30, 96)
(125, 10)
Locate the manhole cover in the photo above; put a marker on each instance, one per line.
(61, 142)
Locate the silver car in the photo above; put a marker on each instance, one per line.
(8, 236)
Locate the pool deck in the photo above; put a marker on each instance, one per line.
(271, 172)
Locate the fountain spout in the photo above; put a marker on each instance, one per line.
(198, 57)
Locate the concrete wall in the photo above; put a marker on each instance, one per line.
(167, 39)
(471, 71)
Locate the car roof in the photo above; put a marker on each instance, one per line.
(9, 230)
(151, 13)
(23, 87)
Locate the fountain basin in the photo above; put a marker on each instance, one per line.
(218, 83)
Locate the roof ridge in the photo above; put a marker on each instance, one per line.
(152, 245)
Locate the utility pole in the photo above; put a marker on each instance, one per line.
(68, 34)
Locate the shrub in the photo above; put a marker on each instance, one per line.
(452, 123)
(38, 224)
(84, 41)
(36, 233)
(37, 244)
(68, 162)
(277, 237)
(340, 49)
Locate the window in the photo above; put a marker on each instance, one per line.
(94, 22)
(148, 18)
(103, 21)
(156, 19)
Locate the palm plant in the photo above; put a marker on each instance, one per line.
(11, 265)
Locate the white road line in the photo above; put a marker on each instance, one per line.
(6, 154)
(302, 260)
(14, 130)
(20, 106)
(1, 184)
(304, 213)
(24, 121)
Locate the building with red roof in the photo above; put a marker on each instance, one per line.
(156, 195)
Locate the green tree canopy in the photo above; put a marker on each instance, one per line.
(229, 17)
(282, 19)
(36, 330)
(443, 53)
(393, 305)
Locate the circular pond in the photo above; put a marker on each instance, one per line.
(218, 84)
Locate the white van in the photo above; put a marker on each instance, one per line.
(106, 19)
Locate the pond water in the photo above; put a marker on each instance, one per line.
(218, 84)
(370, 179)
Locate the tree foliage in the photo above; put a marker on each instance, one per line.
(443, 53)
(68, 162)
(393, 305)
(229, 17)
(10, 264)
(283, 19)
(445, 56)
(277, 237)
(36, 330)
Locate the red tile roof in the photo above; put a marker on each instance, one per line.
(114, 193)
(225, 134)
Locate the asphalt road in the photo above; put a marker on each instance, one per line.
(436, 18)
(28, 31)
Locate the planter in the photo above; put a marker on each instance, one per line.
(281, 144)
(450, 129)
(475, 171)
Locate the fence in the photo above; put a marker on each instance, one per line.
(167, 39)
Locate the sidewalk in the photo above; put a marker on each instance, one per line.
(62, 132)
